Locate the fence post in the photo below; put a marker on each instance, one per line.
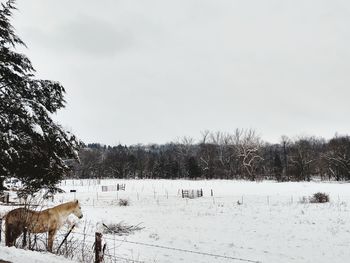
(182, 192)
(98, 248)
(65, 238)
(211, 192)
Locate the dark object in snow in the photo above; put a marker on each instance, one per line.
(124, 202)
(319, 198)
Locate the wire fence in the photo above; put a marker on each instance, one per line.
(115, 258)
(208, 254)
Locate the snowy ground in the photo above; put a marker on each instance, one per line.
(270, 226)
(14, 255)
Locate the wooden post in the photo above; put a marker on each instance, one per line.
(211, 192)
(98, 248)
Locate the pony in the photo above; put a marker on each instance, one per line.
(49, 220)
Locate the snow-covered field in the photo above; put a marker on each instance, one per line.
(248, 221)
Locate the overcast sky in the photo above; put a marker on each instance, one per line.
(139, 71)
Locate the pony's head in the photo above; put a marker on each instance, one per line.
(77, 209)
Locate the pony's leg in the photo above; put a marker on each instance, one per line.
(52, 234)
(12, 232)
(8, 235)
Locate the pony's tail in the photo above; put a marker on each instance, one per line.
(8, 232)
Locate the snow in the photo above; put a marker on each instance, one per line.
(262, 221)
(15, 255)
(37, 129)
(28, 108)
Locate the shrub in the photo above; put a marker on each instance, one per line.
(124, 202)
(121, 229)
(319, 198)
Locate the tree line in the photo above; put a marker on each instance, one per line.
(217, 155)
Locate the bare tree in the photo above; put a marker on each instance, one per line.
(248, 145)
(302, 157)
(337, 158)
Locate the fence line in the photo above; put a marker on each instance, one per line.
(178, 249)
(165, 247)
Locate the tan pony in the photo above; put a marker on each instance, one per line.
(48, 220)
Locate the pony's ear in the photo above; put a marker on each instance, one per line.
(76, 201)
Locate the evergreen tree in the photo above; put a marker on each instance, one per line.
(32, 145)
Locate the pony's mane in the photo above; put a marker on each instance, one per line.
(67, 205)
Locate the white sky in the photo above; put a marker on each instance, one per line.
(139, 71)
